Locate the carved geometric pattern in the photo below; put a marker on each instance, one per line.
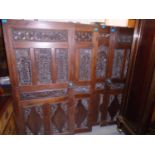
(81, 113)
(62, 64)
(82, 89)
(101, 107)
(24, 67)
(99, 85)
(59, 118)
(34, 120)
(125, 38)
(40, 35)
(101, 62)
(82, 36)
(114, 107)
(43, 62)
(117, 63)
(43, 94)
(85, 64)
(126, 62)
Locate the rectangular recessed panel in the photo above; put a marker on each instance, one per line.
(62, 64)
(39, 35)
(43, 65)
(85, 64)
(24, 66)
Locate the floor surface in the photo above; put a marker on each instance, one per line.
(106, 130)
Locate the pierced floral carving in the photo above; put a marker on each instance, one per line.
(24, 66)
(43, 94)
(43, 62)
(82, 89)
(40, 35)
(62, 64)
(85, 64)
(101, 62)
(117, 63)
(83, 36)
(100, 85)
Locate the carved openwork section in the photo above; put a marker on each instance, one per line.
(82, 89)
(99, 85)
(100, 100)
(43, 64)
(101, 61)
(59, 124)
(81, 113)
(114, 107)
(24, 67)
(62, 64)
(85, 64)
(83, 36)
(34, 120)
(117, 85)
(43, 94)
(40, 35)
(122, 38)
(126, 62)
(117, 63)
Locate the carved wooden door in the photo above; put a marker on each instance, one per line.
(40, 64)
(111, 68)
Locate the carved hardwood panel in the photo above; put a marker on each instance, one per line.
(43, 94)
(113, 107)
(101, 63)
(85, 64)
(81, 113)
(34, 120)
(43, 65)
(24, 66)
(40, 35)
(83, 36)
(117, 63)
(59, 118)
(62, 64)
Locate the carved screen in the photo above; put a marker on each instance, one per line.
(117, 63)
(85, 64)
(40, 35)
(83, 36)
(34, 120)
(24, 67)
(43, 64)
(101, 62)
(62, 64)
(59, 118)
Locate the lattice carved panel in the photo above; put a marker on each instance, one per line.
(24, 66)
(34, 120)
(85, 64)
(114, 107)
(59, 118)
(83, 36)
(101, 62)
(43, 94)
(39, 35)
(43, 64)
(62, 64)
(117, 63)
(81, 113)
